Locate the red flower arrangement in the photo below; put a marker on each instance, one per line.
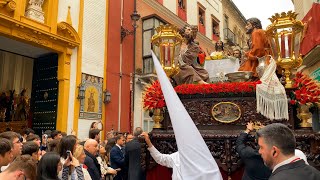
(153, 97)
(307, 90)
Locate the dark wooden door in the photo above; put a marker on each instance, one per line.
(45, 93)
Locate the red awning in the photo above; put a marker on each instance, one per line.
(312, 36)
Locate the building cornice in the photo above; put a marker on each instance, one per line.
(233, 6)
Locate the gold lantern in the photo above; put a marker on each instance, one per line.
(284, 35)
(166, 45)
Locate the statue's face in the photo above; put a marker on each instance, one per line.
(187, 30)
(249, 28)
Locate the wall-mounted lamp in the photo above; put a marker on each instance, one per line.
(82, 91)
(134, 18)
(106, 96)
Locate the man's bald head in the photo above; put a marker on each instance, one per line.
(91, 146)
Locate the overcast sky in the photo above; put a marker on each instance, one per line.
(263, 9)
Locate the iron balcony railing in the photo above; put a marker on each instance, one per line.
(229, 36)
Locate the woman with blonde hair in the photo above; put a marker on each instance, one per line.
(80, 155)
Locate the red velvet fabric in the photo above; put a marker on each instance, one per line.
(312, 36)
(163, 173)
(159, 173)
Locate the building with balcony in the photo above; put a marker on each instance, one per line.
(309, 11)
(233, 23)
(52, 56)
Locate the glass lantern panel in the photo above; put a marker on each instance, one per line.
(166, 54)
(147, 42)
(177, 49)
(285, 37)
(274, 49)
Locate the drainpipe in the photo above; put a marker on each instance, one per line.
(120, 72)
(133, 71)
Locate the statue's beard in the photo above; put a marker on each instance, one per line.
(249, 31)
(219, 48)
(188, 38)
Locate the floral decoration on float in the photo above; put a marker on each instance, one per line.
(307, 91)
(153, 97)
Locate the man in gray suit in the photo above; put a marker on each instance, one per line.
(277, 148)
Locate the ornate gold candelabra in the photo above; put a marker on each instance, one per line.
(284, 35)
(166, 46)
(304, 115)
(157, 118)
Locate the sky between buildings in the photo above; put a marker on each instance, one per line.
(263, 9)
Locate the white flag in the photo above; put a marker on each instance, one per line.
(196, 160)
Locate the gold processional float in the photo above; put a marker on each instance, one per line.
(284, 35)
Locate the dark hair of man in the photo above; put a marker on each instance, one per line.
(30, 148)
(138, 131)
(48, 132)
(10, 135)
(53, 145)
(32, 137)
(66, 144)
(64, 134)
(111, 142)
(255, 22)
(5, 146)
(54, 133)
(48, 165)
(278, 135)
(26, 164)
(93, 133)
(118, 137)
(27, 131)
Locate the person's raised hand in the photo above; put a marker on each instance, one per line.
(249, 127)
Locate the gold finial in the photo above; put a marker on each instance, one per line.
(69, 21)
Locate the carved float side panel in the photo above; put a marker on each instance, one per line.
(199, 110)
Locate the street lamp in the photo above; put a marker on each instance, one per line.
(134, 18)
(166, 44)
(81, 91)
(107, 96)
(284, 35)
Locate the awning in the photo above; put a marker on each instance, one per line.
(312, 35)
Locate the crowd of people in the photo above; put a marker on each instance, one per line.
(58, 156)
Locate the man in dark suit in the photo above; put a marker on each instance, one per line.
(254, 165)
(117, 158)
(277, 145)
(133, 158)
(91, 149)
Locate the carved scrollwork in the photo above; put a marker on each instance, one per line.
(9, 5)
(66, 30)
(33, 38)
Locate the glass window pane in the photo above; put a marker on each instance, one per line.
(145, 125)
(147, 43)
(148, 24)
(148, 65)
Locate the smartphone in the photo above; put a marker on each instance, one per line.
(68, 155)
